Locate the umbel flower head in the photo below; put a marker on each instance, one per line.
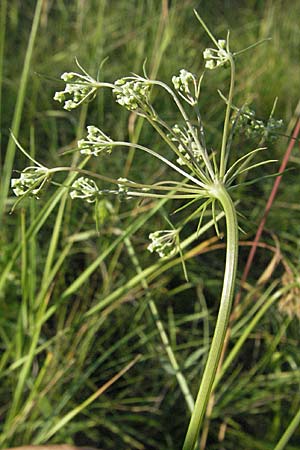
(216, 57)
(164, 242)
(187, 86)
(132, 93)
(31, 181)
(185, 144)
(95, 142)
(85, 188)
(78, 89)
(184, 81)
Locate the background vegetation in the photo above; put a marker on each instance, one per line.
(76, 306)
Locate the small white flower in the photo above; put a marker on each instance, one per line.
(207, 54)
(222, 43)
(210, 64)
(67, 76)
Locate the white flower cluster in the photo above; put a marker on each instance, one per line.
(257, 128)
(78, 88)
(95, 142)
(164, 242)
(216, 57)
(132, 94)
(86, 189)
(184, 141)
(183, 82)
(31, 181)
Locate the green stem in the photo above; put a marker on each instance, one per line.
(288, 432)
(224, 157)
(220, 193)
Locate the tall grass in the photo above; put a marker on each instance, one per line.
(90, 354)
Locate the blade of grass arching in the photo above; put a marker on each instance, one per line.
(246, 332)
(246, 441)
(82, 379)
(270, 351)
(68, 417)
(54, 238)
(116, 295)
(3, 10)
(244, 317)
(132, 228)
(10, 153)
(32, 251)
(30, 402)
(16, 364)
(182, 382)
(23, 311)
(128, 440)
(294, 424)
(150, 273)
(42, 301)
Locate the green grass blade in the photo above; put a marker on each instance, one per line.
(288, 432)
(2, 44)
(62, 422)
(10, 153)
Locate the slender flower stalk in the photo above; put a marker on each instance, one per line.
(188, 123)
(223, 156)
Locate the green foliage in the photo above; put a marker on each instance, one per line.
(79, 304)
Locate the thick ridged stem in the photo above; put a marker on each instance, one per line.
(220, 193)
